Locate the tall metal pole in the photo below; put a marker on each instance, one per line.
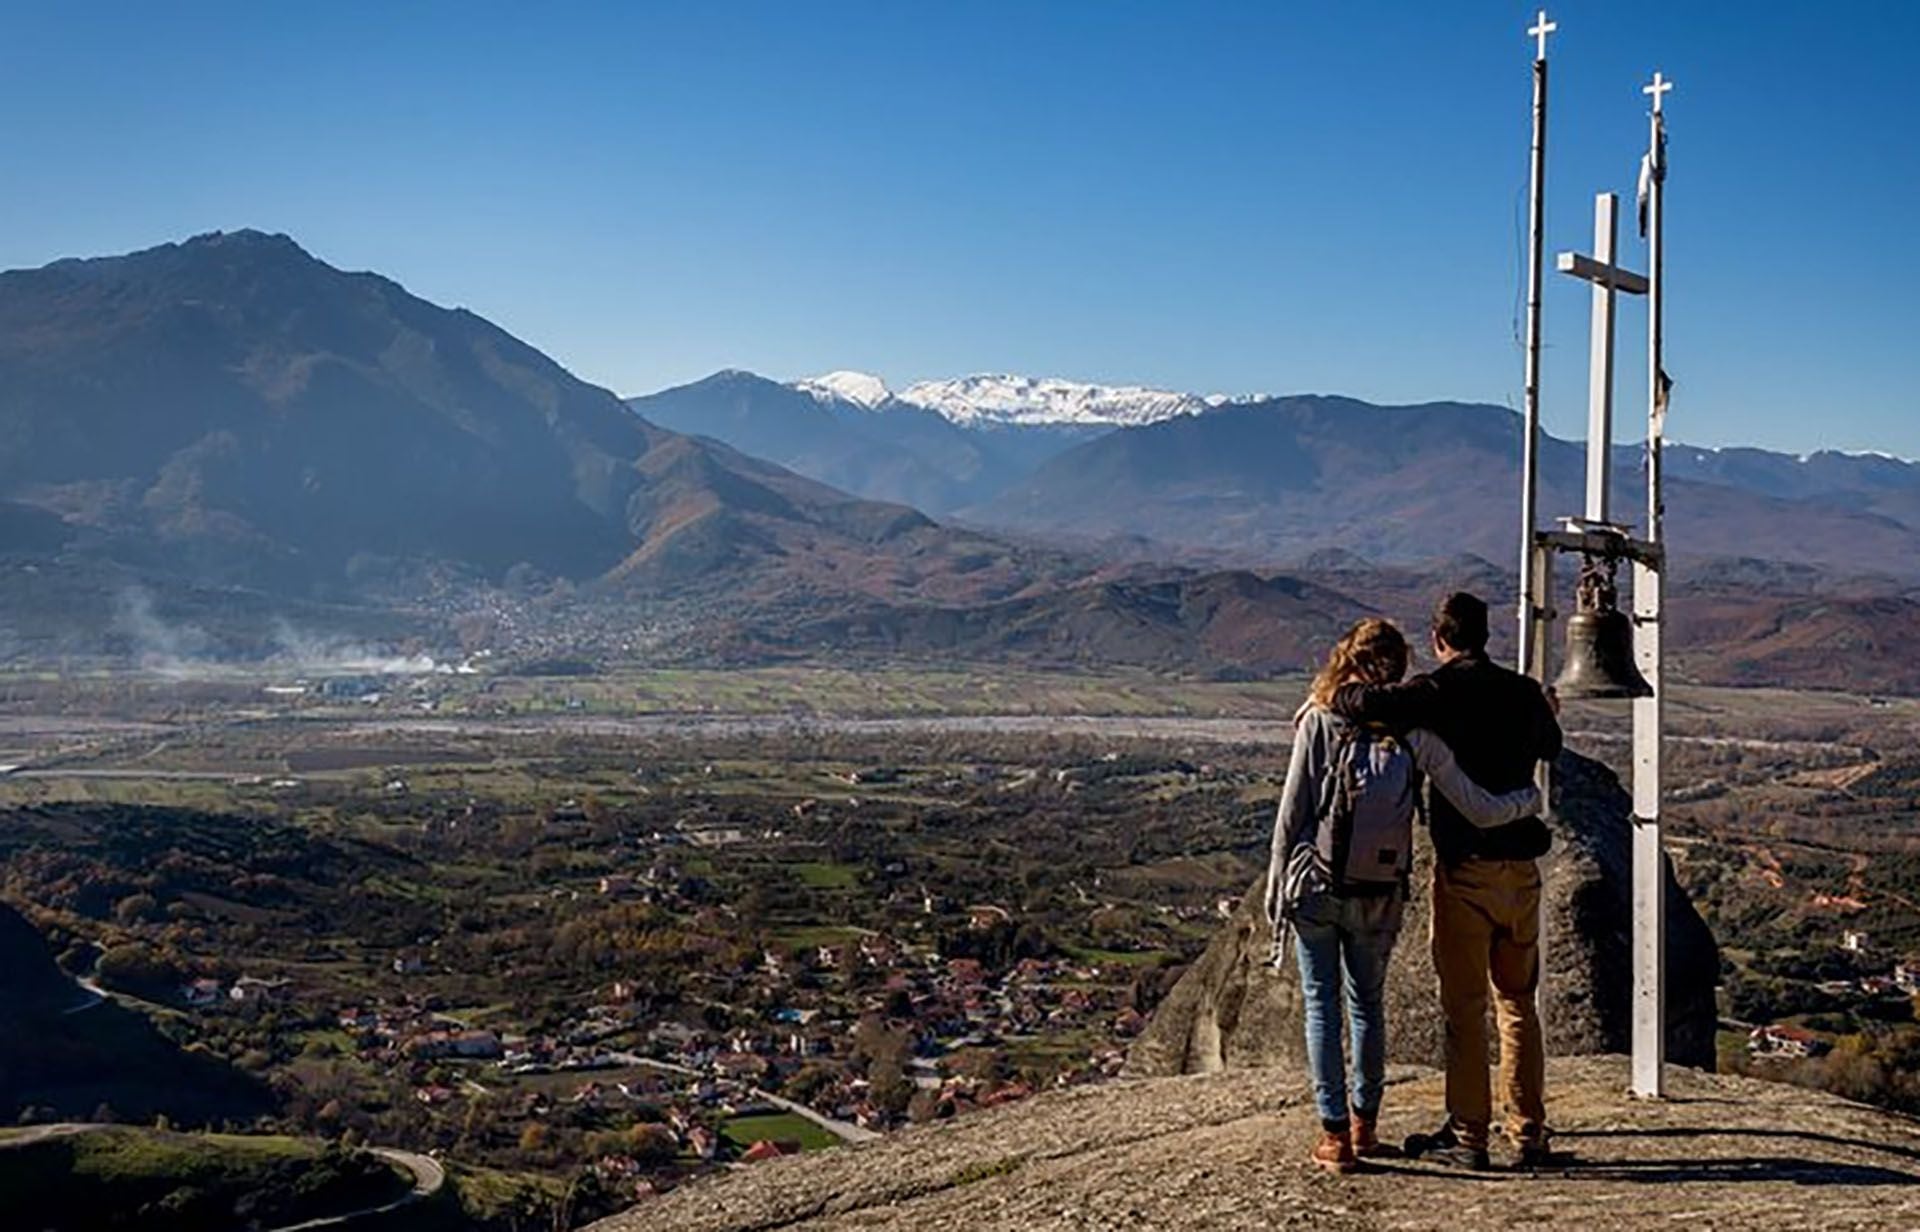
(1649, 880)
(1532, 651)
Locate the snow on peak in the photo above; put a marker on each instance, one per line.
(990, 398)
(859, 388)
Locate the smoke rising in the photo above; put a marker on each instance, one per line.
(183, 650)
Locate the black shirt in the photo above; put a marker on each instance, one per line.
(1499, 725)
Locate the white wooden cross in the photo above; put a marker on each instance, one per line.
(1660, 86)
(1541, 30)
(1607, 278)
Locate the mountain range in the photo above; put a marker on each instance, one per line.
(920, 455)
(239, 427)
(1263, 479)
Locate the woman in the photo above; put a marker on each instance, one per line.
(1344, 913)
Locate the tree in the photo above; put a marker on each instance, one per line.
(535, 1138)
(809, 1081)
(138, 969)
(653, 1144)
(987, 1065)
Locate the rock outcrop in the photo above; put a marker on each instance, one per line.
(1228, 1151)
(65, 1052)
(1232, 1009)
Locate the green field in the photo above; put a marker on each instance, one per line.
(777, 1127)
(822, 876)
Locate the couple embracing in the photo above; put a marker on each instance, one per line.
(1367, 747)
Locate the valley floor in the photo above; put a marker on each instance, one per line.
(620, 926)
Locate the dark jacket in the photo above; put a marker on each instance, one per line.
(1499, 726)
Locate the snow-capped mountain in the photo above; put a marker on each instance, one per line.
(990, 399)
(998, 398)
(859, 388)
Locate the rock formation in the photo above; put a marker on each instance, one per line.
(1231, 1009)
(1228, 1151)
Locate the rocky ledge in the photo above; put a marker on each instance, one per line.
(1231, 1009)
(1227, 1150)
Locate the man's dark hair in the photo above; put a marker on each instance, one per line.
(1461, 622)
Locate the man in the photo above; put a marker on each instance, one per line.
(1486, 882)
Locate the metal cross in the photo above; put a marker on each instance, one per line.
(1540, 31)
(1660, 86)
(1607, 278)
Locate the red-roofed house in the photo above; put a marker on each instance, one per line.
(766, 1150)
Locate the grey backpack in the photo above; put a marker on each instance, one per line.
(1365, 830)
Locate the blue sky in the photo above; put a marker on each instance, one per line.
(1275, 196)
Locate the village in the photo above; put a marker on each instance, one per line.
(815, 1045)
(1783, 1041)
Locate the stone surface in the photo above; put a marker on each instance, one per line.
(1227, 1150)
(1231, 1009)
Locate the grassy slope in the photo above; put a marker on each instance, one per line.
(127, 1177)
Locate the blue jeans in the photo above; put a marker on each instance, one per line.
(1342, 946)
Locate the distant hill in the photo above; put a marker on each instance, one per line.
(232, 410)
(1282, 478)
(233, 406)
(1270, 479)
(883, 449)
(1231, 622)
(1861, 482)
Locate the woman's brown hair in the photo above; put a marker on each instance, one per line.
(1372, 652)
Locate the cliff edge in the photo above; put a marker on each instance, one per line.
(1226, 1151)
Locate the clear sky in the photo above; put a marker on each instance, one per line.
(1263, 196)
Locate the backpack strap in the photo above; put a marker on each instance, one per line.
(1422, 816)
(1337, 816)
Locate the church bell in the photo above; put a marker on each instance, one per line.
(1599, 661)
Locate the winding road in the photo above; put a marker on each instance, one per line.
(846, 1131)
(428, 1175)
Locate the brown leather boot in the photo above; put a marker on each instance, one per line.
(1365, 1139)
(1335, 1152)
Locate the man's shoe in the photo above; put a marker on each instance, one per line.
(1365, 1138)
(1422, 1144)
(1534, 1154)
(1466, 1158)
(1335, 1152)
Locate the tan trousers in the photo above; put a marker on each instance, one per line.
(1486, 937)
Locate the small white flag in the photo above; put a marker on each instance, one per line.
(1653, 166)
(1645, 191)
